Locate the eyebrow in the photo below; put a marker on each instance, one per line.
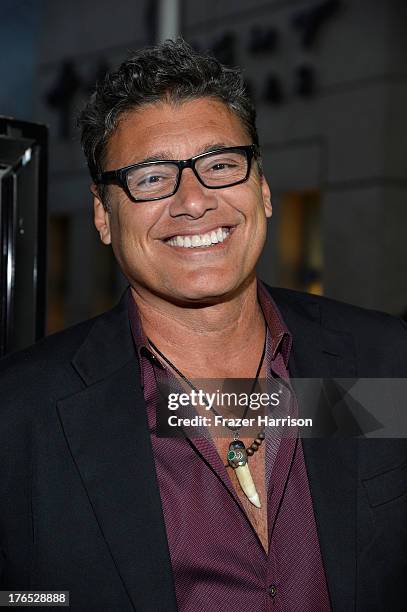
(166, 155)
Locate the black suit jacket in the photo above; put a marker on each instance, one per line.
(79, 503)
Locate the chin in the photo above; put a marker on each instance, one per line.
(206, 291)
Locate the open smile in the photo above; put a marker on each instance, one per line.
(191, 241)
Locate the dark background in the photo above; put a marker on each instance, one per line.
(329, 79)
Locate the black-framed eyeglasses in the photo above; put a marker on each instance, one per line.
(155, 180)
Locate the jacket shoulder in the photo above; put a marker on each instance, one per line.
(336, 313)
(378, 337)
(58, 347)
(44, 370)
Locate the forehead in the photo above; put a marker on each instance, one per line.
(177, 131)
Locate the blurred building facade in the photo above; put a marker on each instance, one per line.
(330, 85)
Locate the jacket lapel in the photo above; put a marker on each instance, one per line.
(107, 432)
(320, 352)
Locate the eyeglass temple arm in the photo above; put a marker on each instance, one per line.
(110, 175)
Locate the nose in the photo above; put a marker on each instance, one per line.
(192, 198)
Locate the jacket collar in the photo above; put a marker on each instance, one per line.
(108, 346)
(319, 350)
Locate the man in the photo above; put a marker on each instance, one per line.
(93, 500)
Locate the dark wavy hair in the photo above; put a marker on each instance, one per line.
(172, 71)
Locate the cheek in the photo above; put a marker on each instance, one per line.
(256, 224)
(129, 227)
(123, 237)
(252, 208)
(131, 235)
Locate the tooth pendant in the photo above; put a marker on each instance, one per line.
(237, 459)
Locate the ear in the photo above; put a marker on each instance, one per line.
(265, 189)
(101, 217)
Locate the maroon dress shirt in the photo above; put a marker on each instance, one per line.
(218, 561)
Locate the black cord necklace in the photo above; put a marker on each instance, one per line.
(237, 454)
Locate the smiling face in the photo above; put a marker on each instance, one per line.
(198, 245)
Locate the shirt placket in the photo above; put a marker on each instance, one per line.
(280, 449)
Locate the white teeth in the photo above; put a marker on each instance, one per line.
(198, 240)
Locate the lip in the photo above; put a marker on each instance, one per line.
(196, 231)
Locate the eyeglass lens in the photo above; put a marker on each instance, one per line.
(215, 170)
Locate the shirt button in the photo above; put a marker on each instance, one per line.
(272, 590)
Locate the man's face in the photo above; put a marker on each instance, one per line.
(141, 233)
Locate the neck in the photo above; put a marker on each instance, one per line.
(210, 340)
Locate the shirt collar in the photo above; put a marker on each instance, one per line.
(280, 336)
